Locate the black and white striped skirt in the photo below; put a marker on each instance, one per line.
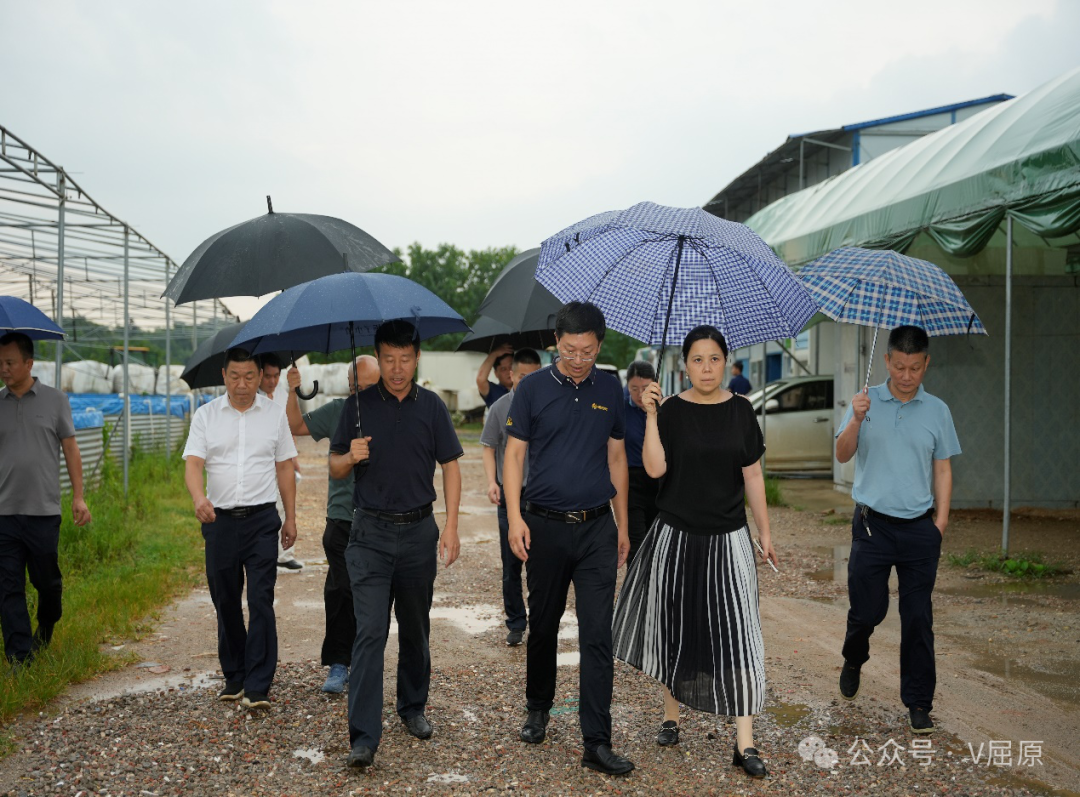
(688, 615)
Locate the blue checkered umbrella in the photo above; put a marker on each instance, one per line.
(882, 288)
(657, 272)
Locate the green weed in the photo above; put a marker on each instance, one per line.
(1025, 565)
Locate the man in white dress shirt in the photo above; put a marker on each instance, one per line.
(268, 386)
(241, 441)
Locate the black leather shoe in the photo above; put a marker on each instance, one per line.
(603, 760)
(669, 734)
(920, 721)
(513, 639)
(418, 726)
(750, 761)
(849, 680)
(534, 730)
(361, 756)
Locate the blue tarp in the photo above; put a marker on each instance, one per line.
(113, 404)
(87, 419)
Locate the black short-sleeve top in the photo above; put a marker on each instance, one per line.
(706, 446)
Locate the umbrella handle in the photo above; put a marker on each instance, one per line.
(309, 396)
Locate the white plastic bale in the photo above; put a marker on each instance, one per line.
(85, 376)
(335, 381)
(171, 382)
(141, 378)
(45, 371)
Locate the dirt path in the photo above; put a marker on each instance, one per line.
(1006, 670)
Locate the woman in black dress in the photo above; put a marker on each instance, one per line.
(688, 612)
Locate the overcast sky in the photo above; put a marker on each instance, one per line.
(476, 123)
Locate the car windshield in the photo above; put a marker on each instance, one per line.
(772, 387)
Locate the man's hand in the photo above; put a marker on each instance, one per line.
(624, 544)
(359, 449)
(79, 512)
(449, 545)
(204, 510)
(941, 524)
(520, 539)
(493, 492)
(293, 378)
(288, 534)
(860, 405)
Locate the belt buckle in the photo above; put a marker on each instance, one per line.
(577, 516)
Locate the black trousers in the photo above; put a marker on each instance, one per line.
(641, 508)
(389, 564)
(235, 548)
(513, 599)
(585, 554)
(337, 596)
(28, 546)
(913, 549)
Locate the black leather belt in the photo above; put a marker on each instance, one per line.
(867, 511)
(243, 511)
(577, 516)
(399, 518)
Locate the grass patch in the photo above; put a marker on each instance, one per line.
(774, 496)
(1024, 565)
(136, 555)
(836, 520)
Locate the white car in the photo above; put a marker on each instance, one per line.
(798, 423)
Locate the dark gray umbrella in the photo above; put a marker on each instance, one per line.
(488, 334)
(518, 300)
(203, 368)
(273, 252)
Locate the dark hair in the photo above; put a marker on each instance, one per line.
(737, 364)
(704, 332)
(526, 357)
(578, 318)
(270, 359)
(26, 346)
(502, 357)
(241, 356)
(909, 340)
(398, 334)
(642, 369)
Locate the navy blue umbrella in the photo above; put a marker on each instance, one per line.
(18, 315)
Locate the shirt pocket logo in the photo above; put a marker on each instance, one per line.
(596, 406)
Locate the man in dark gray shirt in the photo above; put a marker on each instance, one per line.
(35, 425)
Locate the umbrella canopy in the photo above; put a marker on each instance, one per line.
(203, 368)
(518, 300)
(18, 315)
(344, 310)
(273, 252)
(882, 288)
(657, 272)
(488, 334)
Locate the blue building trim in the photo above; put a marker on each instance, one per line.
(856, 142)
(928, 112)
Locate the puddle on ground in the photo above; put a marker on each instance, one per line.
(312, 754)
(181, 680)
(470, 619)
(571, 658)
(309, 604)
(788, 714)
(837, 572)
(1018, 593)
(448, 777)
(1060, 680)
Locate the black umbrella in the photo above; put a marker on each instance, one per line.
(203, 368)
(488, 334)
(273, 252)
(518, 300)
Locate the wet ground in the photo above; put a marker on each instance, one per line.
(1007, 675)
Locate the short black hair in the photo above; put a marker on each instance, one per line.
(704, 332)
(398, 334)
(25, 345)
(526, 357)
(270, 359)
(579, 318)
(736, 364)
(502, 357)
(909, 340)
(241, 356)
(641, 369)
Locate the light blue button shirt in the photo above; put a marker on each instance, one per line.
(898, 443)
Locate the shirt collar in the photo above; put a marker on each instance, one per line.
(884, 394)
(386, 395)
(32, 389)
(563, 379)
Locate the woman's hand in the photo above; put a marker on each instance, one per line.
(651, 398)
(767, 552)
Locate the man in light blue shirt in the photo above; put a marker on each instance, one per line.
(902, 439)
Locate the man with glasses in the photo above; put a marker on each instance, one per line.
(567, 419)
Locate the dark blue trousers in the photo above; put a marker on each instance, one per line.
(513, 599)
(587, 555)
(235, 548)
(913, 549)
(28, 546)
(389, 565)
(337, 596)
(641, 509)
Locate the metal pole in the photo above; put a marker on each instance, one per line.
(764, 400)
(194, 325)
(59, 311)
(802, 142)
(127, 384)
(1006, 509)
(168, 371)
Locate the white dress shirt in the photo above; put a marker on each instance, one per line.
(280, 397)
(241, 450)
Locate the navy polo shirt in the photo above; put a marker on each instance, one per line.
(408, 437)
(567, 427)
(635, 433)
(495, 392)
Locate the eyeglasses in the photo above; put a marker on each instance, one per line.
(577, 358)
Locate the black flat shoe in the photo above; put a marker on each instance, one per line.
(669, 733)
(750, 761)
(534, 730)
(418, 726)
(361, 756)
(603, 760)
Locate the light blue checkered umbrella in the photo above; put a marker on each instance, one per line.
(883, 288)
(657, 272)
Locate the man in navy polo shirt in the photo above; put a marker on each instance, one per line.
(391, 555)
(568, 419)
(902, 439)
